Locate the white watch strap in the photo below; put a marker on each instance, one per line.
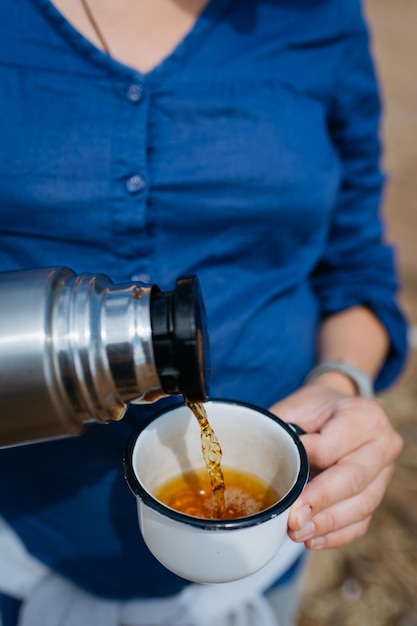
(362, 381)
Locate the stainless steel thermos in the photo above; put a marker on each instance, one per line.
(75, 348)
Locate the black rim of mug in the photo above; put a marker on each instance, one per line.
(217, 524)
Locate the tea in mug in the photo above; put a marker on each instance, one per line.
(192, 493)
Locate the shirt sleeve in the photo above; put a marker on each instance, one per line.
(358, 266)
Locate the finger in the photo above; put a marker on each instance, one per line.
(309, 407)
(345, 513)
(351, 474)
(349, 431)
(340, 537)
(340, 482)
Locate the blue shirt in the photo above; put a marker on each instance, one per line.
(249, 156)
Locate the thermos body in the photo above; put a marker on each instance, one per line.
(76, 348)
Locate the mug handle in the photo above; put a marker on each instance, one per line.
(297, 429)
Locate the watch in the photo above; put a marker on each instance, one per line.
(362, 381)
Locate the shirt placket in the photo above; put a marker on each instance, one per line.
(130, 176)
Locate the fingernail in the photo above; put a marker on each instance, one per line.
(316, 543)
(306, 532)
(303, 515)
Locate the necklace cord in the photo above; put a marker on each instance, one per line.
(95, 27)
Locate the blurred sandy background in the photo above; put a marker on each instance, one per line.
(373, 582)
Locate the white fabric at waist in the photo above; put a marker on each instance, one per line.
(51, 600)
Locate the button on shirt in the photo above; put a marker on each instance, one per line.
(135, 93)
(135, 183)
(249, 156)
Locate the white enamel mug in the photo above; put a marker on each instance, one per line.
(253, 441)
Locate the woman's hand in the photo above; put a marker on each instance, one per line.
(351, 447)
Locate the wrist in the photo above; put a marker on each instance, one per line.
(342, 377)
(337, 381)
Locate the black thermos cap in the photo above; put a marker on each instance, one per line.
(180, 340)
